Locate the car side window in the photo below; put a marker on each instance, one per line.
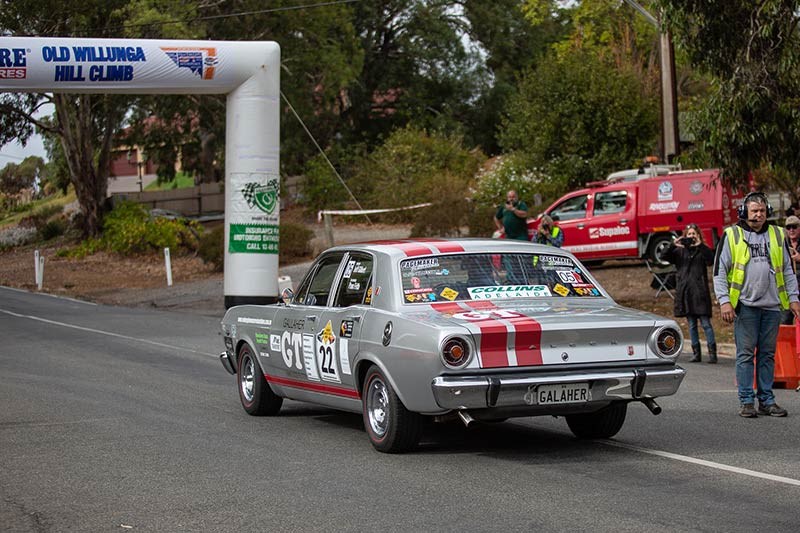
(608, 203)
(355, 281)
(316, 288)
(571, 208)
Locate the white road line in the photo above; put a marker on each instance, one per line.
(101, 332)
(702, 462)
(47, 294)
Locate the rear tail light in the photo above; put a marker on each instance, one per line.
(455, 352)
(668, 342)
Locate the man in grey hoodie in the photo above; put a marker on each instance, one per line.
(754, 280)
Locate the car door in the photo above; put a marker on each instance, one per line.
(339, 330)
(612, 224)
(570, 215)
(294, 327)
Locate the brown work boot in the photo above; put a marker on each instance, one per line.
(748, 411)
(772, 410)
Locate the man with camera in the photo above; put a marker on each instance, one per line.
(549, 233)
(511, 217)
(754, 280)
(692, 257)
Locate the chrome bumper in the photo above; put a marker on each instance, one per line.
(226, 363)
(519, 390)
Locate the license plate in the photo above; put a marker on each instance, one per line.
(563, 393)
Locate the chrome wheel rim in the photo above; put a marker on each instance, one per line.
(378, 407)
(247, 379)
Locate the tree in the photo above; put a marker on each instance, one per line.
(751, 50)
(15, 177)
(578, 117)
(511, 45)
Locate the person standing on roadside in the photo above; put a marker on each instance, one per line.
(549, 233)
(692, 257)
(753, 282)
(511, 217)
(792, 226)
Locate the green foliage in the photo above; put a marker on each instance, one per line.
(128, 229)
(579, 117)
(15, 177)
(750, 120)
(180, 181)
(415, 167)
(212, 247)
(295, 242)
(321, 189)
(53, 228)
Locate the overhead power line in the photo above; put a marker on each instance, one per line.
(225, 15)
(303, 124)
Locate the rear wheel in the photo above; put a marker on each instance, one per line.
(390, 426)
(601, 424)
(254, 392)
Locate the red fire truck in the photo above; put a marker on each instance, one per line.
(615, 218)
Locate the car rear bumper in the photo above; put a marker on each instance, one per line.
(519, 390)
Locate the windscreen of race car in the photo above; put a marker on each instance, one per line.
(493, 277)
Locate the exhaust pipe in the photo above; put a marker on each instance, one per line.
(466, 418)
(652, 405)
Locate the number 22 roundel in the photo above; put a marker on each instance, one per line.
(326, 354)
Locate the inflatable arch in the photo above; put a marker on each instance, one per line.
(248, 72)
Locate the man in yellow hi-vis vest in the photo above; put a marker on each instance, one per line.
(754, 280)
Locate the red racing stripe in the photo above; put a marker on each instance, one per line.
(443, 246)
(411, 248)
(494, 337)
(528, 333)
(314, 387)
(447, 307)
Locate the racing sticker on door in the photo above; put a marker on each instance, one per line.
(326, 354)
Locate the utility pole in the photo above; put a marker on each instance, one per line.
(669, 144)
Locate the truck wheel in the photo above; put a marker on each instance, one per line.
(390, 426)
(254, 392)
(658, 247)
(601, 424)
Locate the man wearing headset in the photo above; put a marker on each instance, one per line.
(753, 281)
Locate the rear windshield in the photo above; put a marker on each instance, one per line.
(493, 277)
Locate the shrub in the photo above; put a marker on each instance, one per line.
(295, 241)
(414, 167)
(16, 236)
(53, 228)
(128, 229)
(212, 247)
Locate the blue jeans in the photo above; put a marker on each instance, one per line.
(756, 329)
(705, 321)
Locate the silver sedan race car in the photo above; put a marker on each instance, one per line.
(473, 329)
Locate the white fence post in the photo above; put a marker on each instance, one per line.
(168, 264)
(36, 267)
(40, 279)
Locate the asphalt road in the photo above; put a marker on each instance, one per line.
(114, 419)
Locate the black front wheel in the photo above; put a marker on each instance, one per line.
(256, 396)
(390, 426)
(602, 424)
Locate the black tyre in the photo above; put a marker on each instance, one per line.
(658, 247)
(390, 426)
(254, 392)
(601, 424)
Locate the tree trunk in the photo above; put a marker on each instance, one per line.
(87, 124)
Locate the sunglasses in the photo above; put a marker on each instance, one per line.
(792, 226)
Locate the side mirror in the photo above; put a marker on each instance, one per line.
(287, 295)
